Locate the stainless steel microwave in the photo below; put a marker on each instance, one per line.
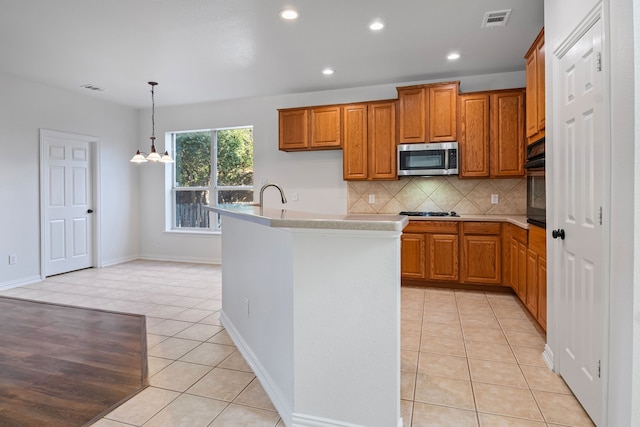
(428, 159)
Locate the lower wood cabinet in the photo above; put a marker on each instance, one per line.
(528, 269)
(518, 261)
(482, 253)
(430, 251)
(442, 256)
(479, 253)
(413, 256)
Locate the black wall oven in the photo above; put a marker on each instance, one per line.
(536, 192)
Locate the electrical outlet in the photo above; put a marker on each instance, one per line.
(263, 182)
(372, 198)
(246, 304)
(294, 196)
(13, 259)
(494, 199)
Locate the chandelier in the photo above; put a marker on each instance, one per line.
(153, 156)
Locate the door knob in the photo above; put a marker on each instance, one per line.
(558, 233)
(89, 210)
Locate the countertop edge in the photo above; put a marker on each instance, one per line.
(518, 220)
(277, 218)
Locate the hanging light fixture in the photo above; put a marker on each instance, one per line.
(153, 156)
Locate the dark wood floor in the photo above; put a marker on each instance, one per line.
(66, 366)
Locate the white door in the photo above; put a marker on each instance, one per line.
(67, 199)
(581, 285)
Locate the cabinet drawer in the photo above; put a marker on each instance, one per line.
(519, 234)
(450, 227)
(537, 240)
(481, 227)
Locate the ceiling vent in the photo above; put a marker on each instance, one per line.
(89, 86)
(497, 18)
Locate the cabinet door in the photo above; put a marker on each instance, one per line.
(522, 272)
(514, 270)
(507, 134)
(413, 114)
(531, 68)
(413, 256)
(294, 129)
(382, 141)
(354, 133)
(481, 255)
(325, 127)
(540, 84)
(532, 282)
(474, 135)
(443, 101)
(542, 292)
(443, 257)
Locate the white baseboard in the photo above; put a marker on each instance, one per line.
(301, 420)
(20, 282)
(547, 355)
(269, 385)
(289, 418)
(195, 260)
(117, 261)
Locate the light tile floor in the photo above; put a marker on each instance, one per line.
(468, 358)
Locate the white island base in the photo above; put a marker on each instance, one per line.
(315, 311)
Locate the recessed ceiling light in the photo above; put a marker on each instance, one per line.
(289, 14)
(376, 26)
(453, 56)
(327, 71)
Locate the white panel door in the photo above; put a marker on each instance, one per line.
(579, 170)
(67, 198)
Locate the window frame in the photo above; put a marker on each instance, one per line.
(213, 189)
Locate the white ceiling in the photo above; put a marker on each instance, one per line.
(205, 50)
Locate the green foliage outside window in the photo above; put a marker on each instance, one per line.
(234, 168)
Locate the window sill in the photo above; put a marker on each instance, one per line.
(192, 232)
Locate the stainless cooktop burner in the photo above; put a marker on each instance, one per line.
(418, 213)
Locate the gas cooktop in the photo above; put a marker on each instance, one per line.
(418, 213)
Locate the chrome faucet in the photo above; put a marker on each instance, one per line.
(264, 187)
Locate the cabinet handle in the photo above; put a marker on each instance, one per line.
(558, 233)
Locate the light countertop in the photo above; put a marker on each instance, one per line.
(519, 220)
(284, 218)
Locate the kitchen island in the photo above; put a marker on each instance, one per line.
(313, 304)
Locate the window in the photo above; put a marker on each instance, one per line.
(211, 165)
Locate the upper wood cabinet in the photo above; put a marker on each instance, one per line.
(535, 77)
(507, 133)
(294, 129)
(491, 134)
(313, 128)
(473, 147)
(428, 113)
(369, 132)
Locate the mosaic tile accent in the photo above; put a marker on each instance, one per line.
(465, 196)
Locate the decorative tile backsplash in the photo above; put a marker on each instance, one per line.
(465, 196)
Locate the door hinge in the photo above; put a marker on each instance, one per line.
(600, 215)
(598, 61)
(598, 368)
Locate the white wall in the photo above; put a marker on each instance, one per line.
(26, 107)
(315, 176)
(561, 17)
